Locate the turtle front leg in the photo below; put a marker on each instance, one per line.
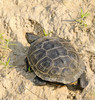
(27, 65)
(38, 81)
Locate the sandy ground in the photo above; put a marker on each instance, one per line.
(57, 16)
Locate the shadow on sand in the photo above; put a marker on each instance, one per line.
(18, 55)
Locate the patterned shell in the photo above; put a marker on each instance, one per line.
(55, 60)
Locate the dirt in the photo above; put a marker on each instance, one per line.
(58, 17)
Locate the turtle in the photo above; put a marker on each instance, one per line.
(53, 59)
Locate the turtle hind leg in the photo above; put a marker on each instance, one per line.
(28, 68)
(38, 81)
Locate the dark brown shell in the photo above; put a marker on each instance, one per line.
(55, 60)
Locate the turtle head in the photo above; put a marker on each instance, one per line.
(30, 37)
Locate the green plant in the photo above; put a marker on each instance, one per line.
(93, 93)
(1, 35)
(4, 49)
(4, 42)
(81, 20)
(7, 43)
(46, 34)
(6, 64)
(29, 69)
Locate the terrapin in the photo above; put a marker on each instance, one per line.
(53, 59)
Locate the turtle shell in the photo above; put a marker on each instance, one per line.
(55, 60)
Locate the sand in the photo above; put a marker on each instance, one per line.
(58, 17)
